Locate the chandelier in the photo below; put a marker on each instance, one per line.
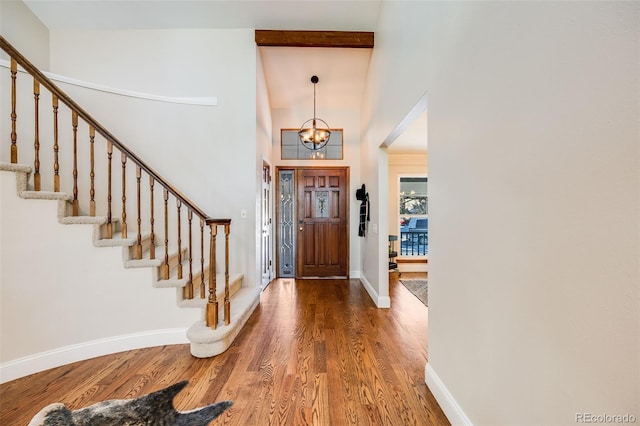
(311, 136)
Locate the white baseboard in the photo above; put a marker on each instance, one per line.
(380, 301)
(451, 409)
(61, 356)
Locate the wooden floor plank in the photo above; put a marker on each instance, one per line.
(315, 352)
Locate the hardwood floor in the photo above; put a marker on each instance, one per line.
(315, 352)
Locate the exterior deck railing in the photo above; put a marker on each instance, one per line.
(414, 243)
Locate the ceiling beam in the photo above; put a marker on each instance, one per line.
(281, 38)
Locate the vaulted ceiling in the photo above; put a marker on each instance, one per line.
(288, 70)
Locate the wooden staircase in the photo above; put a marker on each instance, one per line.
(171, 241)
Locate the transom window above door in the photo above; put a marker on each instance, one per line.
(292, 149)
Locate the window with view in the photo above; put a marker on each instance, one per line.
(414, 221)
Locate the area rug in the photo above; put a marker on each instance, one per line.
(418, 288)
(153, 409)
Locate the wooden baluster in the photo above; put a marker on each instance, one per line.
(74, 123)
(109, 157)
(138, 246)
(227, 302)
(152, 244)
(202, 280)
(92, 173)
(212, 303)
(179, 203)
(164, 268)
(14, 117)
(56, 164)
(37, 185)
(188, 289)
(124, 196)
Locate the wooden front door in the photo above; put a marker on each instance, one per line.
(323, 236)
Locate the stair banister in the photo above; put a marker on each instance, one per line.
(62, 96)
(94, 126)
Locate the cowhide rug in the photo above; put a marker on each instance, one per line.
(153, 409)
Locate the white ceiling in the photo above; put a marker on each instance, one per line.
(288, 70)
(341, 74)
(339, 15)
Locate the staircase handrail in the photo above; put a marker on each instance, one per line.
(66, 99)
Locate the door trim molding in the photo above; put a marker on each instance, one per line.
(270, 246)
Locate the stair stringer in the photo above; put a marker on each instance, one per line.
(205, 342)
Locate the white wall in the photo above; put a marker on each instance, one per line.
(20, 27)
(374, 246)
(348, 120)
(376, 129)
(534, 199)
(59, 293)
(264, 154)
(27, 34)
(263, 112)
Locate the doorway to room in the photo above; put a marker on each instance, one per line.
(313, 222)
(406, 170)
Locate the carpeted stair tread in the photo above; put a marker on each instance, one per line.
(83, 220)
(171, 282)
(145, 262)
(116, 241)
(207, 342)
(18, 168)
(45, 195)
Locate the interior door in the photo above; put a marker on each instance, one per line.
(323, 237)
(267, 274)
